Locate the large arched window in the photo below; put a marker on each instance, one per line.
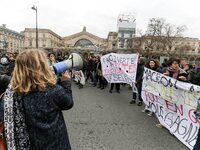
(84, 43)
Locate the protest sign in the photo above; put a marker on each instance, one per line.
(119, 68)
(174, 103)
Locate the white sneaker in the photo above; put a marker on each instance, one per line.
(150, 113)
(159, 125)
(144, 110)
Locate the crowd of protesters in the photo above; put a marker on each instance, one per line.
(92, 73)
(180, 70)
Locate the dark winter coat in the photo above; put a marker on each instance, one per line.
(93, 66)
(44, 118)
(4, 81)
(139, 74)
(194, 77)
(10, 68)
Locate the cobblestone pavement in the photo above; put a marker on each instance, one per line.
(100, 120)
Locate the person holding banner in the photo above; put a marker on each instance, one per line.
(155, 66)
(117, 87)
(175, 71)
(138, 83)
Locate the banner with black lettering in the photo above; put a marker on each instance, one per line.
(119, 68)
(174, 103)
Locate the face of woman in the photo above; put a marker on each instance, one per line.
(175, 65)
(52, 57)
(152, 64)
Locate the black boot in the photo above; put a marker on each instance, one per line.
(139, 103)
(133, 101)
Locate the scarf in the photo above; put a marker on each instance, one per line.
(16, 134)
(175, 72)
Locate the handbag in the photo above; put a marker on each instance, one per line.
(2, 135)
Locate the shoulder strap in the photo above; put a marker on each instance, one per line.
(2, 95)
(1, 123)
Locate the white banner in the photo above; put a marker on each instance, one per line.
(174, 103)
(119, 68)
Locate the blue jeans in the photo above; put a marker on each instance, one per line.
(94, 77)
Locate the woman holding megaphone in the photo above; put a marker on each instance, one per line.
(33, 103)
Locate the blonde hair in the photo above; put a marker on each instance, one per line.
(32, 72)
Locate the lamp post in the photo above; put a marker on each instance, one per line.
(35, 8)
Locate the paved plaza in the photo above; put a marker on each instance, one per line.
(100, 120)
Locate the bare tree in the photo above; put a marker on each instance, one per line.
(153, 39)
(171, 35)
(161, 35)
(155, 27)
(138, 41)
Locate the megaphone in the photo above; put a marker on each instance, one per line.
(74, 61)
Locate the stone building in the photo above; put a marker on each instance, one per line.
(85, 40)
(10, 41)
(46, 39)
(179, 47)
(79, 42)
(151, 47)
(112, 40)
(159, 43)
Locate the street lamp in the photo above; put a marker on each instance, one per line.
(35, 8)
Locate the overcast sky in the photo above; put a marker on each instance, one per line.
(66, 17)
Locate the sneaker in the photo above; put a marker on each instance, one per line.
(139, 104)
(118, 91)
(80, 86)
(110, 91)
(150, 113)
(159, 125)
(132, 102)
(144, 110)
